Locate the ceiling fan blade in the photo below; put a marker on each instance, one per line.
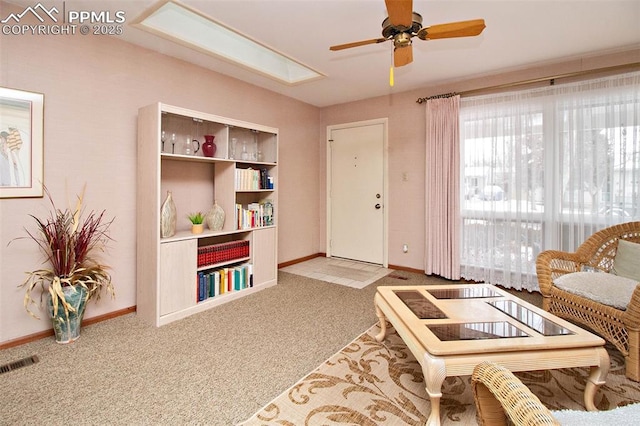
(402, 56)
(452, 29)
(357, 43)
(400, 12)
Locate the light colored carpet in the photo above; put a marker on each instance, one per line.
(214, 368)
(369, 383)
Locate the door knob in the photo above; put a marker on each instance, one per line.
(377, 206)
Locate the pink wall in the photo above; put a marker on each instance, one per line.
(93, 87)
(405, 200)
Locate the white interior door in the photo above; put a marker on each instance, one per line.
(356, 193)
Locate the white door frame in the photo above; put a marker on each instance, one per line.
(385, 185)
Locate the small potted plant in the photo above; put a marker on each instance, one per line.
(73, 275)
(197, 222)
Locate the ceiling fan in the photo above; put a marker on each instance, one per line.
(403, 24)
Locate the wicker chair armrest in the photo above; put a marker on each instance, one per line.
(499, 394)
(600, 248)
(631, 316)
(551, 264)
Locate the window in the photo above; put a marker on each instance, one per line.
(543, 169)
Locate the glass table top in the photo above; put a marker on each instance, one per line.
(530, 318)
(476, 331)
(464, 293)
(425, 309)
(460, 319)
(420, 305)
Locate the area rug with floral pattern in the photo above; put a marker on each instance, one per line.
(371, 383)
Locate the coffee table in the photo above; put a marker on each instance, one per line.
(452, 328)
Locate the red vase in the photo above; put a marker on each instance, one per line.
(208, 147)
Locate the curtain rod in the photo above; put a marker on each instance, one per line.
(551, 79)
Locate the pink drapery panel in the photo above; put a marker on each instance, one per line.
(442, 188)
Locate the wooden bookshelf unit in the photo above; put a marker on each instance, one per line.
(241, 178)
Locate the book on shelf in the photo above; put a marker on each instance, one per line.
(200, 286)
(222, 252)
(264, 182)
(254, 215)
(216, 282)
(253, 180)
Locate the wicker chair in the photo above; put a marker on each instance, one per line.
(619, 327)
(502, 399)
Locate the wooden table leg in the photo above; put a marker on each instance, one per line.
(383, 320)
(434, 371)
(597, 377)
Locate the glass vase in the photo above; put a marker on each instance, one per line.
(168, 217)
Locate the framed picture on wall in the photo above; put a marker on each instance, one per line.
(21, 143)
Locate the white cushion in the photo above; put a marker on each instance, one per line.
(626, 263)
(608, 289)
(588, 268)
(619, 416)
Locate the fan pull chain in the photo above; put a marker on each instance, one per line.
(391, 70)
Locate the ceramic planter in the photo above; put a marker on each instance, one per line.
(68, 329)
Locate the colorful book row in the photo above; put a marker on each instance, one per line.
(254, 215)
(223, 280)
(222, 252)
(251, 179)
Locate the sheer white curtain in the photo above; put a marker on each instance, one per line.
(544, 169)
(442, 187)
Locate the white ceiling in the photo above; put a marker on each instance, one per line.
(518, 33)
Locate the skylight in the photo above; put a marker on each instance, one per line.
(178, 22)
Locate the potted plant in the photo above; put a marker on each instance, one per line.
(197, 222)
(74, 274)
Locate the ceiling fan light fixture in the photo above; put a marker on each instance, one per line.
(182, 24)
(401, 40)
(389, 30)
(401, 25)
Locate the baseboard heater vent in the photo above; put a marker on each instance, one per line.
(398, 277)
(19, 364)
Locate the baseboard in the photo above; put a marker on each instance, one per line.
(420, 271)
(406, 269)
(299, 260)
(109, 315)
(47, 333)
(313, 256)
